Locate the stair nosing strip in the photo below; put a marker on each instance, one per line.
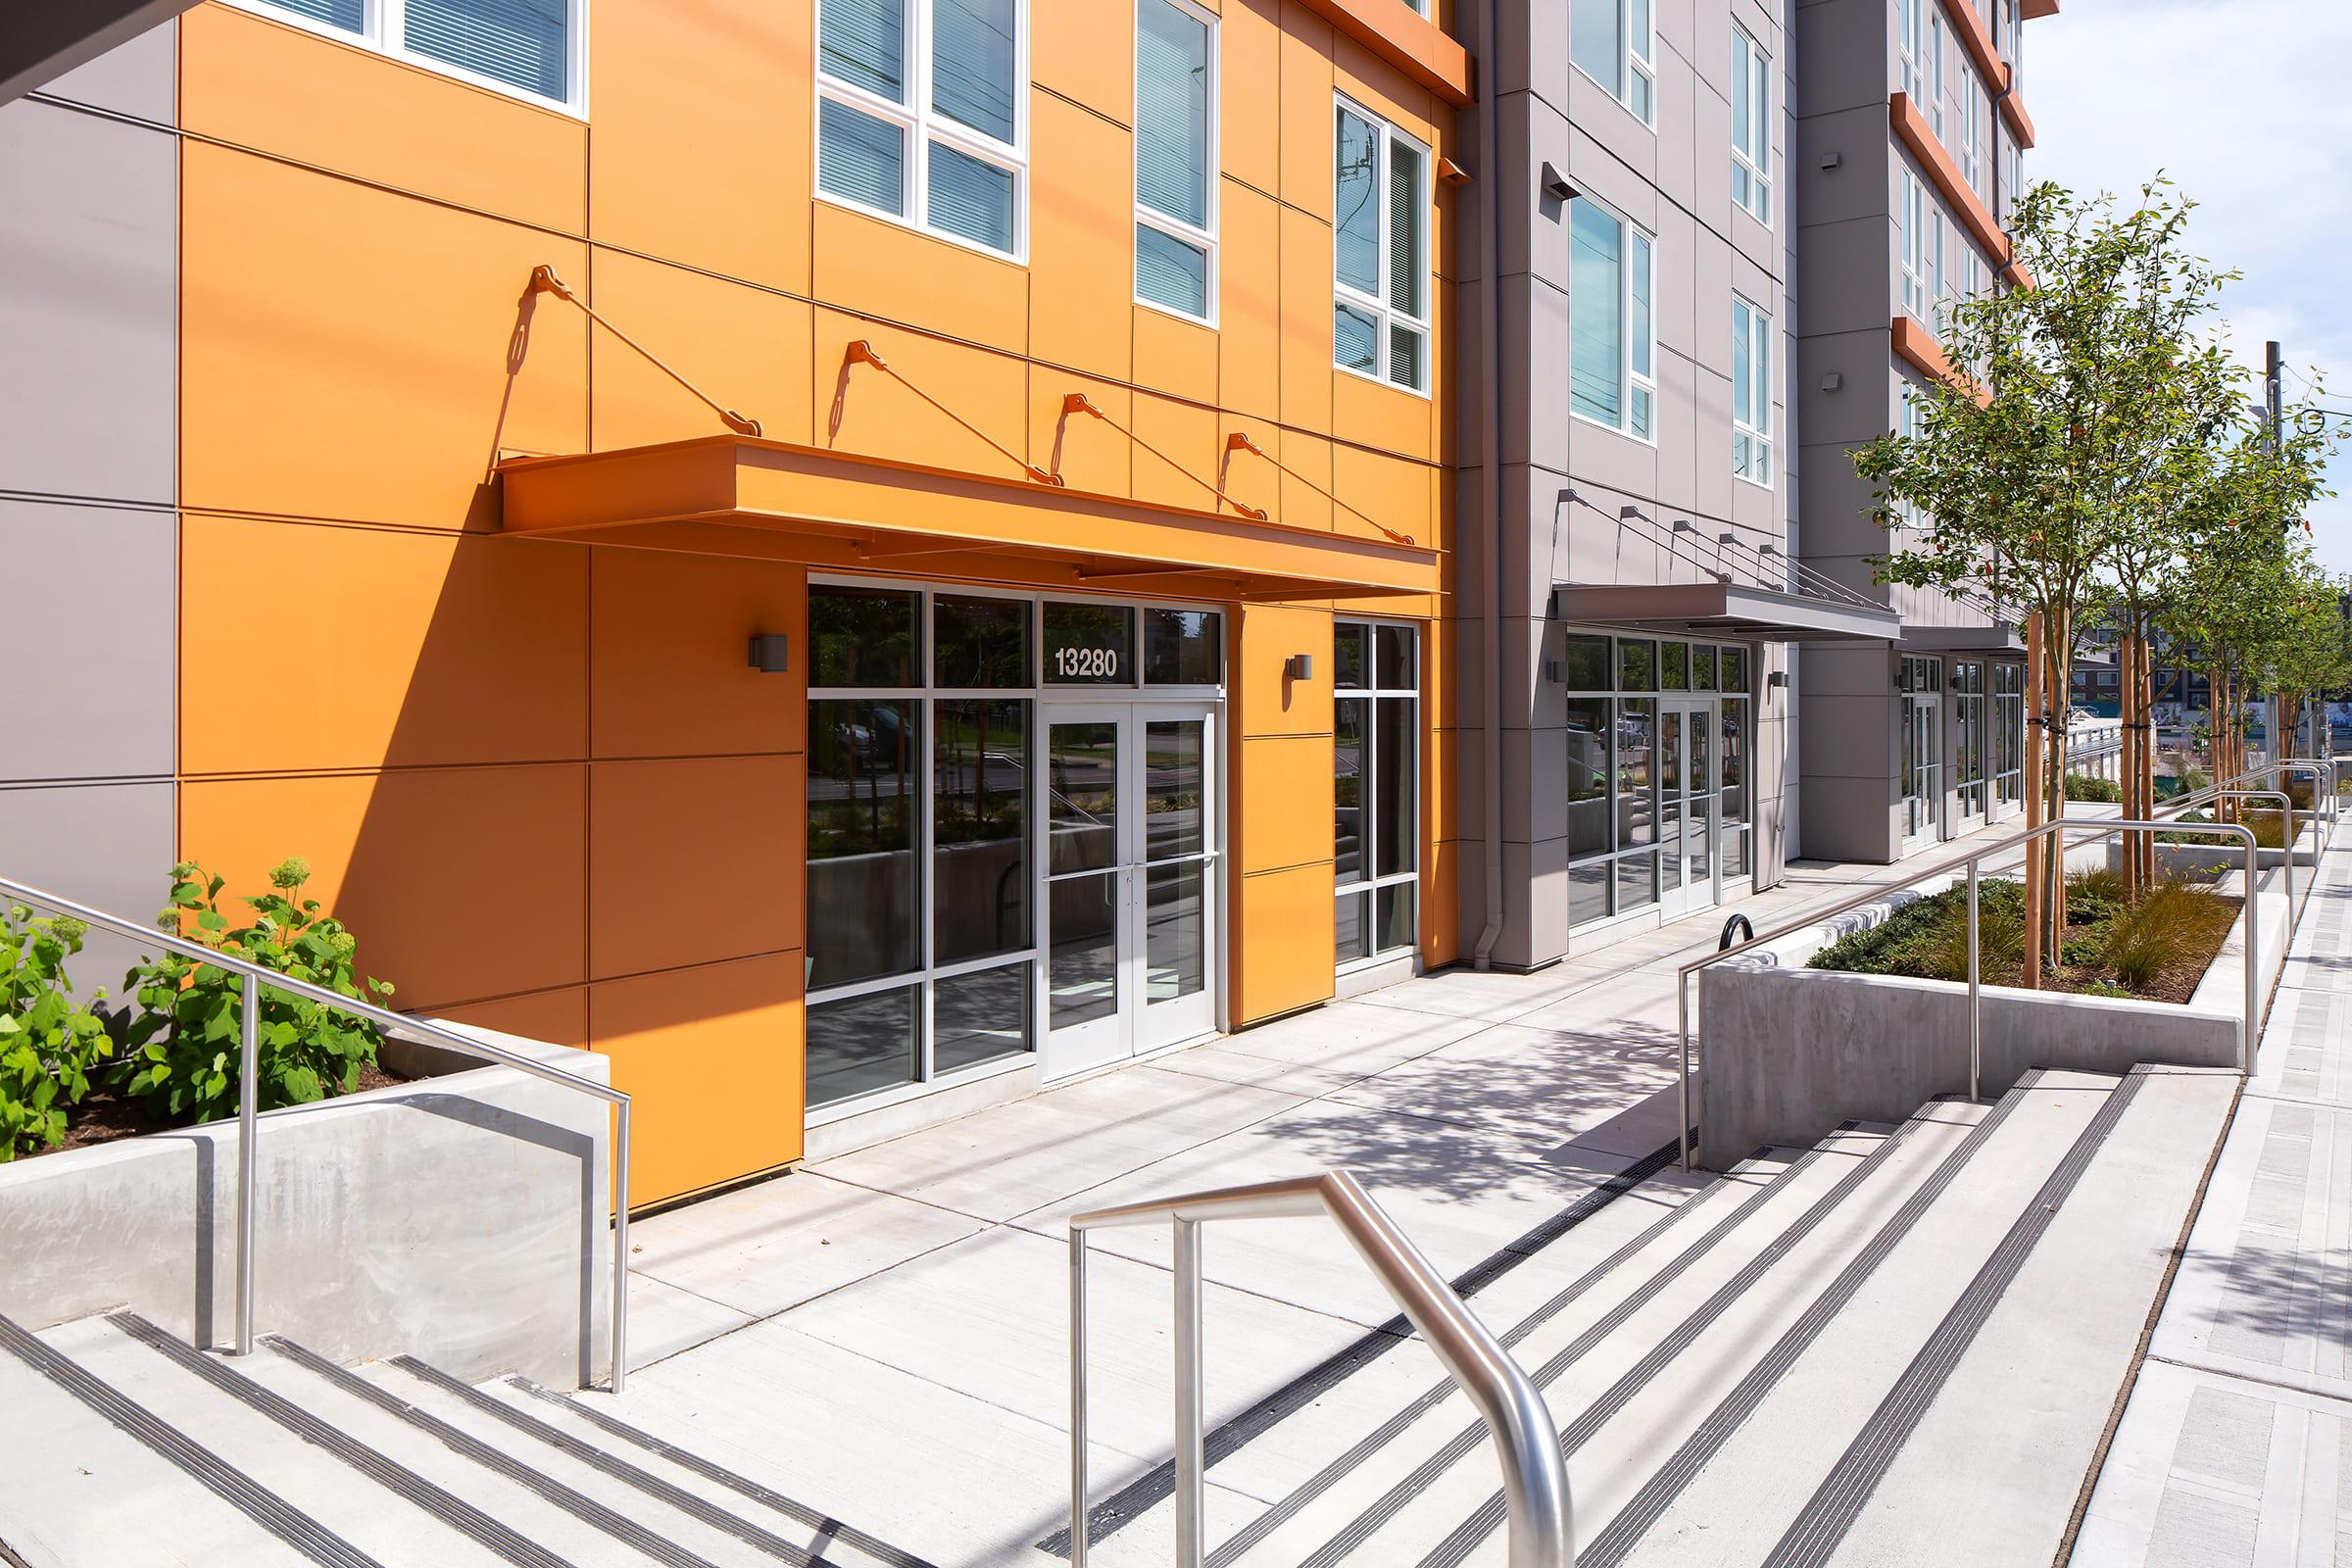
(711, 1470)
(1463, 1538)
(263, 1507)
(381, 1468)
(1300, 1497)
(465, 1445)
(1157, 1485)
(1821, 1525)
(1647, 1505)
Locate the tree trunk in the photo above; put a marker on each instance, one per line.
(2059, 687)
(2036, 738)
(2127, 658)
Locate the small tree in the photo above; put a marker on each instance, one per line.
(2074, 431)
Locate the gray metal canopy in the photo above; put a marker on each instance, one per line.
(1725, 610)
(2000, 637)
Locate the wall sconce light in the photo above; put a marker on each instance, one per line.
(768, 653)
(1555, 184)
(1776, 680)
(1831, 381)
(1555, 673)
(1298, 666)
(1831, 161)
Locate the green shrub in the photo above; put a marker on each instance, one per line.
(2000, 939)
(2083, 787)
(186, 1039)
(2103, 883)
(2168, 925)
(48, 1041)
(2106, 988)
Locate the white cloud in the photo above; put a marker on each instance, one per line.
(2241, 103)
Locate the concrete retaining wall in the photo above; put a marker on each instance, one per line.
(462, 1219)
(1787, 1053)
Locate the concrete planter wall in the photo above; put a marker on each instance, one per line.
(1787, 1053)
(462, 1219)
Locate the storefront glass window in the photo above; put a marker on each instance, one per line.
(1376, 788)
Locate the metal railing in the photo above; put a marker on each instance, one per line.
(1967, 865)
(1534, 1476)
(257, 976)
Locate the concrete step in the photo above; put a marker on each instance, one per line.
(80, 1491)
(1419, 1491)
(1720, 1490)
(548, 1517)
(346, 1500)
(1991, 1473)
(666, 1493)
(1638, 1392)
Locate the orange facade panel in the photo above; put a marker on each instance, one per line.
(1912, 129)
(1406, 39)
(1917, 347)
(779, 500)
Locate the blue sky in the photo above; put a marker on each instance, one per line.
(2244, 103)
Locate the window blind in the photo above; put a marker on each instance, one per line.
(523, 43)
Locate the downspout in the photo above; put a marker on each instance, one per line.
(1490, 502)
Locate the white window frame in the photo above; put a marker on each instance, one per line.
(1373, 695)
(1630, 381)
(1909, 37)
(1202, 239)
(1637, 57)
(1760, 362)
(1383, 313)
(1972, 126)
(1936, 54)
(384, 28)
(923, 126)
(1909, 513)
(1759, 103)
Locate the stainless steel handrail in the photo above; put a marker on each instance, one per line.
(1534, 1476)
(248, 1105)
(2100, 826)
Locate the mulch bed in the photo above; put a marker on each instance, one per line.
(2177, 982)
(105, 1118)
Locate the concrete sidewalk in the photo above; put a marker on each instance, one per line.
(2233, 1448)
(888, 1327)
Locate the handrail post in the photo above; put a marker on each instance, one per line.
(620, 1248)
(249, 1076)
(1191, 1459)
(1681, 1014)
(1976, 997)
(1078, 1438)
(2245, 1032)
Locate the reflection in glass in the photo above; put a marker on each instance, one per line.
(1394, 645)
(1394, 903)
(860, 1044)
(1398, 752)
(1349, 659)
(862, 807)
(1637, 806)
(1354, 930)
(1183, 648)
(1588, 777)
(1175, 931)
(1637, 666)
(1175, 782)
(1637, 882)
(979, 828)
(1348, 787)
(1703, 670)
(1356, 238)
(980, 642)
(1697, 823)
(861, 636)
(1586, 664)
(1082, 812)
(978, 1017)
(1734, 671)
(1082, 962)
(1674, 666)
(1587, 892)
(1734, 760)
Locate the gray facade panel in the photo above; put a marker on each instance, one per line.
(110, 846)
(88, 305)
(138, 77)
(97, 593)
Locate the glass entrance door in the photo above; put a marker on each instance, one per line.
(1129, 880)
(1686, 806)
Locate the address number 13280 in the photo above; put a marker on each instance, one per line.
(1086, 663)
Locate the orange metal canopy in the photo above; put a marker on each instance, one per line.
(738, 495)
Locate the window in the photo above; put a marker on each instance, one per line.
(1609, 40)
(1922, 247)
(2008, 733)
(1910, 18)
(530, 48)
(1175, 158)
(920, 116)
(1972, 126)
(1611, 377)
(1751, 125)
(1935, 67)
(1751, 393)
(1380, 251)
(2015, 184)
(1376, 769)
(1613, 778)
(1906, 425)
